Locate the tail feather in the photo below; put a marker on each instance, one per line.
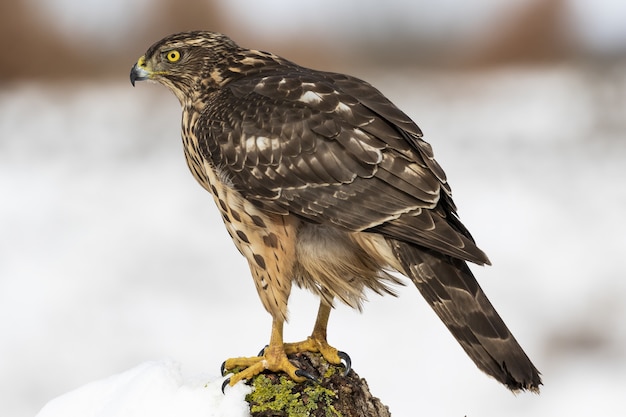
(452, 291)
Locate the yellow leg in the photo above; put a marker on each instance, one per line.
(317, 341)
(274, 359)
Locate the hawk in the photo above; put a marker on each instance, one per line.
(323, 182)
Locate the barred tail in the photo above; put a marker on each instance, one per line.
(452, 291)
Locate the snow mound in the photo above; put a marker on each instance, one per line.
(152, 389)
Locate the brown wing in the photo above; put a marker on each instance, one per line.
(332, 149)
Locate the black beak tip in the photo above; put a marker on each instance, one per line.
(133, 75)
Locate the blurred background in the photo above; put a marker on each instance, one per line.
(111, 255)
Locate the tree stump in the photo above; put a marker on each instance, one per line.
(335, 394)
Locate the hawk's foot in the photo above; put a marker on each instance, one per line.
(320, 345)
(273, 359)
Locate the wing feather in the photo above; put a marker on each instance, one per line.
(332, 149)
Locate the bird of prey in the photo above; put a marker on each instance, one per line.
(323, 182)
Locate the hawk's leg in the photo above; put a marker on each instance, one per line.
(317, 341)
(273, 359)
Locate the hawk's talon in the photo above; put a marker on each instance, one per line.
(224, 384)
(223, 368)
(304, 374)
(262, 351)
(346, 361)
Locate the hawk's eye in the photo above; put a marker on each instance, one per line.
(173, 56)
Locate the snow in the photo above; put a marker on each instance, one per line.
(111, 255)
(154, 389)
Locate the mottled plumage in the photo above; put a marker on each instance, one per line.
(322, 181)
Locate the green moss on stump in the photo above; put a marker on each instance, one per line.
(334, 395)
(285, 397)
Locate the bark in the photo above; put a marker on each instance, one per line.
(335, 394)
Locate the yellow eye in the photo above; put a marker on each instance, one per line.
(173, 56)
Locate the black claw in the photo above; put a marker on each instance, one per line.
(223, 368)
(347, 361)
(305, 374)
(262, 352)
(226, 382)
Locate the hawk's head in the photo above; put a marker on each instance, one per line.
(184, 61)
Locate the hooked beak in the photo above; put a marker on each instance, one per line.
(139, 72)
